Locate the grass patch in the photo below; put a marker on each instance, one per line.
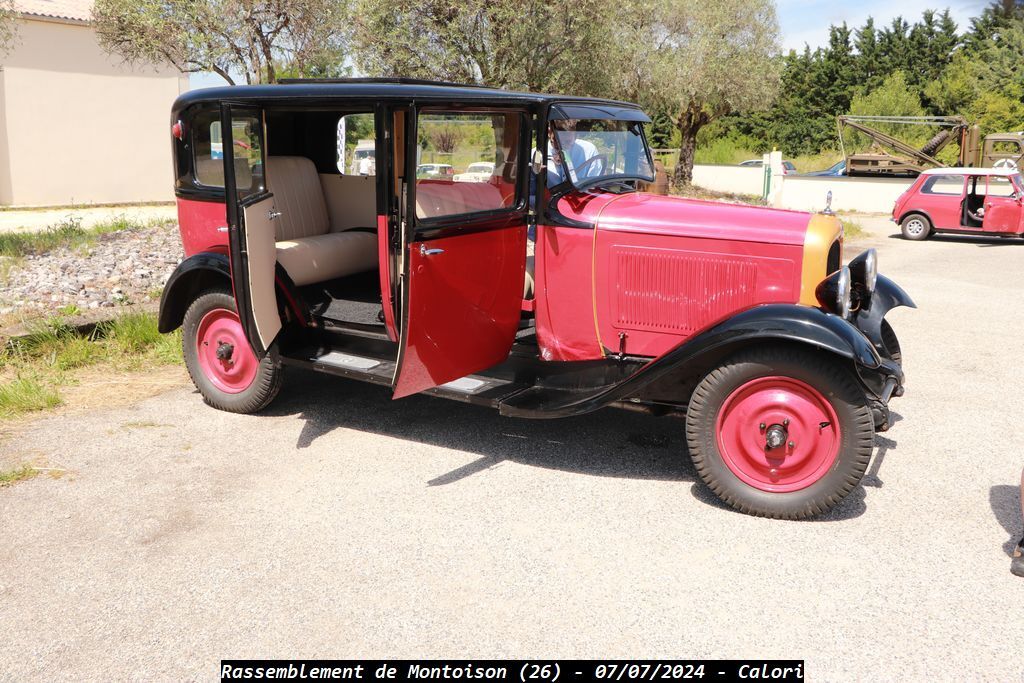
(67, 233)
(39, 364)
(8, 477)
(852, 229)
(695, 192)
(26, 395)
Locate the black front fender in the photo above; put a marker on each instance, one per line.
(887, 296)
(787, 323)
(195, 274)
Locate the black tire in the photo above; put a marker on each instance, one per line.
(828, 378)
(891, 343)
(269, 374)
(916, 227)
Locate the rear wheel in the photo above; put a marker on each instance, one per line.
(780, 433)
(220, 361)
(916, 227)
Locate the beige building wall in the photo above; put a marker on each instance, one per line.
(78, 127)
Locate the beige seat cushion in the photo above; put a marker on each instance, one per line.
(305, 248)
(325, 257)
(298, 196)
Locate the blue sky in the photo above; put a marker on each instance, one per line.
(807, 21)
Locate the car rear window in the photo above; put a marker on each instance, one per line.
(944, 184)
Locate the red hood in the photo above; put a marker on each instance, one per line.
(657, 214)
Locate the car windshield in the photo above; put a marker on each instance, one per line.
(593, 151)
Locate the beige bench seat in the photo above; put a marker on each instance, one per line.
(306, 248)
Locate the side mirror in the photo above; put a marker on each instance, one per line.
(537, 163)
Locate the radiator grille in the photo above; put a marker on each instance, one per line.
(677, 291)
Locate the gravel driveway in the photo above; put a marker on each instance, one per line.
(340, 524)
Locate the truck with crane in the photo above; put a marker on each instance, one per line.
(890, 156)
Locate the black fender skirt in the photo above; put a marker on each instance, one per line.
(193, 275)
(768, 323)
(887, 296)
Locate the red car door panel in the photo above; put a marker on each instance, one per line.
(464, 298)
(1002, 214)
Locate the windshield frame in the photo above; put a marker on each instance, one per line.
(585, 183)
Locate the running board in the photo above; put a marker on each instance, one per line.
(477, 389)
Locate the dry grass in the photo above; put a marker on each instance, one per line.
(55, 363)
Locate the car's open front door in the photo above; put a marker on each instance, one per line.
(1002, 206)
(251, 214)
(465, 244)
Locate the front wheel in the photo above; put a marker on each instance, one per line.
(220, 361)
(780, 432)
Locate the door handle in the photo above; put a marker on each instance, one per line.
(271, 215)
(223, 228)
(429, 252)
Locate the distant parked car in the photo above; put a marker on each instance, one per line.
(986, 201)
(434, 171)
(787, 166)
(477, 172)
(836, 169)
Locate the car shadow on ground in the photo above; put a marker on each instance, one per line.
(608, 443)
(976, 240)
(1004, 500)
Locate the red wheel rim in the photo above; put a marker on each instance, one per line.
(224, 353)
(774, 406)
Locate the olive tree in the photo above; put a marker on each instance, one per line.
(258, 40)
(8, 26)
(537, 45)
(698, 61)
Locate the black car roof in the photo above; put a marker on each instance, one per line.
(373, 89)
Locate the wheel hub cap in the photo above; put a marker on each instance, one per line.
(224, 353)
(778, 434)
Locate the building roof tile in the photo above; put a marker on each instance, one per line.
(77, 10)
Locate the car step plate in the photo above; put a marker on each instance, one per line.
(466, 385)
(345, 360)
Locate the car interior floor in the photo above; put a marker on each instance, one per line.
(351, 299)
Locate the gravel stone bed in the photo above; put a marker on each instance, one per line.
(118, 269)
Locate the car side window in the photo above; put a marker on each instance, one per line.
(467, 162)
(1000, 186)
(208, 151)
(944, 184)
(247, 146)
(357, 137)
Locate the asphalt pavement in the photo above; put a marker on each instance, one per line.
(340, 524)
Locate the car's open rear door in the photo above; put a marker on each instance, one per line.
(465, 246)
(251, 214)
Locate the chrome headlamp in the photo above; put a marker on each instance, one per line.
(835, 293)
(864, 271)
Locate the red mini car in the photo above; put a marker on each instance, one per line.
(741, 320)
(984, 201)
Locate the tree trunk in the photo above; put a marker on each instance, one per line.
(689, 121)
(682, 175)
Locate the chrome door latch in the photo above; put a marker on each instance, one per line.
(429, 252)
(271, 215)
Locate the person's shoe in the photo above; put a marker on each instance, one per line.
(1017, 564)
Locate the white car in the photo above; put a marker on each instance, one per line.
(477, 172)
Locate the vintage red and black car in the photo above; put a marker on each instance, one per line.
(551, 286)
